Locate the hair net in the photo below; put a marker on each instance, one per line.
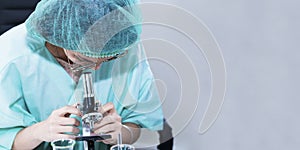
(95, 28)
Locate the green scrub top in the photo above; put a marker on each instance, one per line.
(33, 84)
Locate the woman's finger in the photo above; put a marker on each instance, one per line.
(68, 121)
(106, 129)
(68, 130)
(109, 141)
(108, 108)
(105, 121)
(67, 110)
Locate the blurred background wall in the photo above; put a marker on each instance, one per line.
(259, 40)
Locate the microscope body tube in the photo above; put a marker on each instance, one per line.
(88, 105)
(89, 97)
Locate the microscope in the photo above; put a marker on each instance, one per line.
(91, 115)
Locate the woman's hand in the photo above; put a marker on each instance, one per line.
(110, 124)
(59, 125)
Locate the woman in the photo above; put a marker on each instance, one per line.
(43, 59)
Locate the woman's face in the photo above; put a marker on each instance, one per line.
(81, 62)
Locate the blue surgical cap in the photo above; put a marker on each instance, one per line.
(95, 28)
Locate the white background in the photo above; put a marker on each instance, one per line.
(259, 40)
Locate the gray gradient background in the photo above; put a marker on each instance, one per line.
(259, 42)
